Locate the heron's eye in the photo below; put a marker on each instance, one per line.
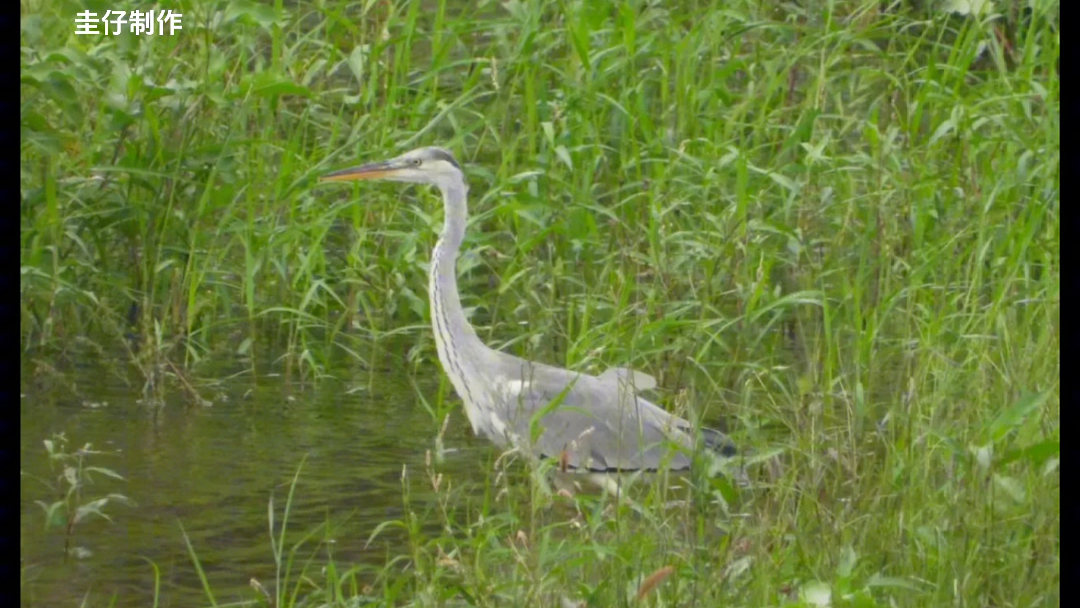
(416, 162)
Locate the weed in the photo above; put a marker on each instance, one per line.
(73, 505)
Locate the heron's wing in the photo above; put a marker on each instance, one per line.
(623, 376)
(589, 422)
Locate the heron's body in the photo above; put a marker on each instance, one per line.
(595, 423)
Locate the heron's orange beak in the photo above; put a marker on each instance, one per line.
(384, 168)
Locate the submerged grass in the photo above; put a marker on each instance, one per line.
(836, 225)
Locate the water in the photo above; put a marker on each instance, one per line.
(214, 470)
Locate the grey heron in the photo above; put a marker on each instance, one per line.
(589, 423)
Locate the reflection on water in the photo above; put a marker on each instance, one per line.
(213, 470)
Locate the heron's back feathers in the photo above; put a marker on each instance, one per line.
(596, 423)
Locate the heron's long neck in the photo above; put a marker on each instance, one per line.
(454, 336)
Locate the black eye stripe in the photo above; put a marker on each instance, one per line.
(416, 158)
(440, 154)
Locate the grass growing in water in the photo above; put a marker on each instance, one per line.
(836, 225)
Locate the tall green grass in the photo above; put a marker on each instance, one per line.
(834, 224)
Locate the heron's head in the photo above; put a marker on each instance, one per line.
(429, 165)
